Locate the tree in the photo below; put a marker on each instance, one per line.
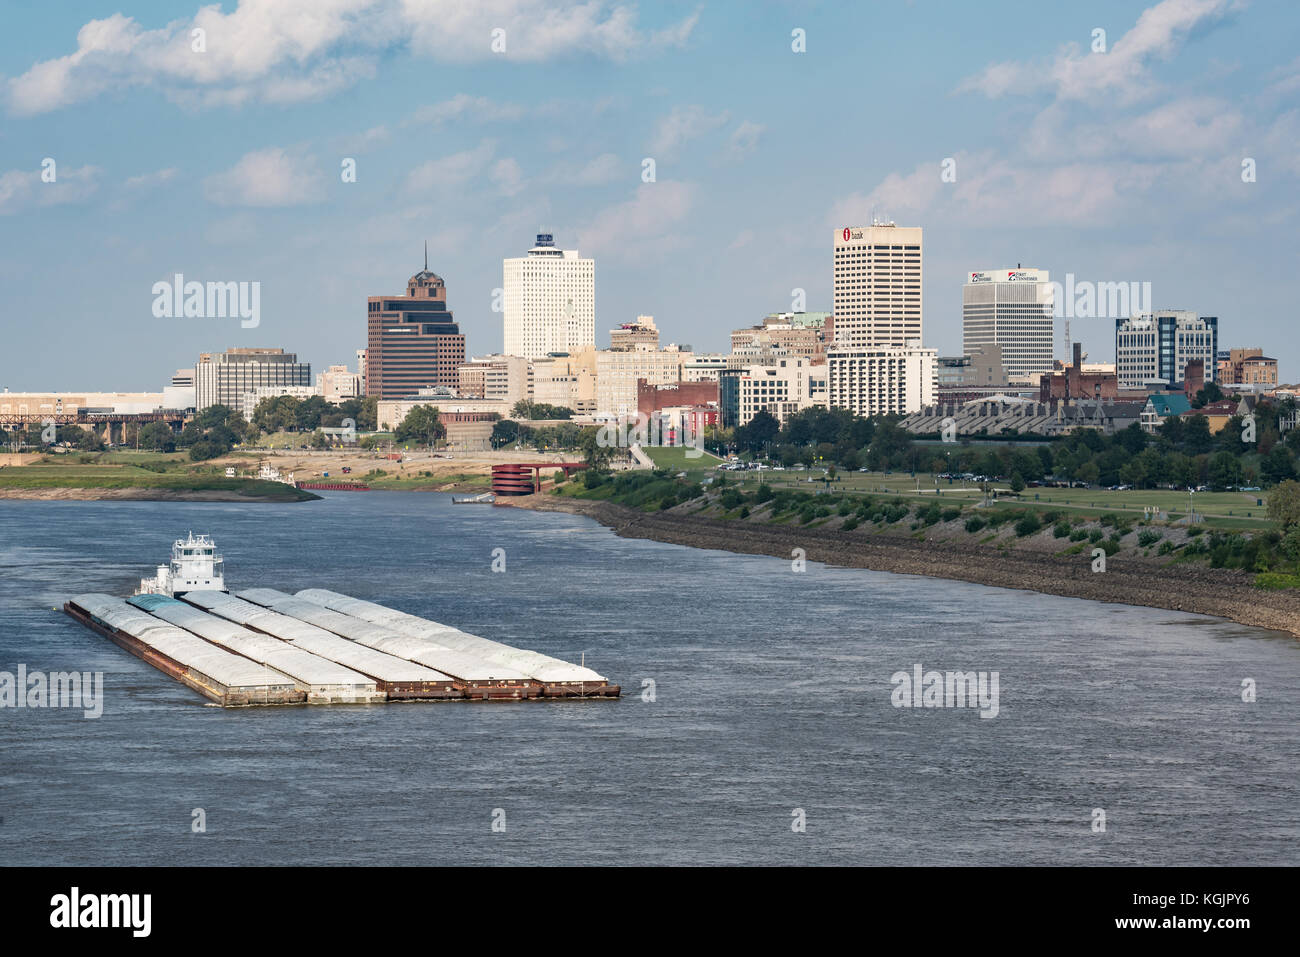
(760, 430)
(595, 453)
(1017, 482)
(158, 437)
(1284, 504)
(1210, 392)
(1225, 470)
(421, 426)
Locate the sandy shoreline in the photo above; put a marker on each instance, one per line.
(1221, 592)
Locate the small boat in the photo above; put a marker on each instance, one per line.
(486, 498)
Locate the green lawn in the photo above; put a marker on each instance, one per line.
(1221, 509)
(58, 475)
(680, 458)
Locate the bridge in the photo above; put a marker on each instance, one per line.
(102, 422)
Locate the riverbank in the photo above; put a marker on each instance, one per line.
(154, 495)
(1221, 592)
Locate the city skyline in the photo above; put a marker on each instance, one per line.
(1003, 149)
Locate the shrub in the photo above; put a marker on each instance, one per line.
(1078, 535)
(764, 493)
(949, 514)
(1027, 525)
(1111, 545)
(846, 508)
(744, 511)
(667, 503)
(1149, 537)
(1096, 535)
(732, 498)
(974, 524)
(1166, 548)
(1061, 530)
(1194, 530)
(850, 524)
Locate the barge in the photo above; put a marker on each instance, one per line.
(557, 678)
(324, 681)
(266, 647)
(228, 679)
(400, 679)
(475, 677)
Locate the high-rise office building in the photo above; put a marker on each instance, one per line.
(877, 285)
(1156, 348)
(549, 301)
(223, 378)
(1011, 308)
(413, 341)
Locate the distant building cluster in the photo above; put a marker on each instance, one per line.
(866, 355)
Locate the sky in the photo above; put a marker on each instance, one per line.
(1164, 149)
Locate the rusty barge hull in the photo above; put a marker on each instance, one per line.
(208, 687)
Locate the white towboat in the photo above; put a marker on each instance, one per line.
(195, 566)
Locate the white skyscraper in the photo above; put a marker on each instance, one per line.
(1011, 308)
(877, 285)
(549, 301)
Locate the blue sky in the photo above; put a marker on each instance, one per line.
(225, 165)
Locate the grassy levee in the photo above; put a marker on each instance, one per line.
(56, 475)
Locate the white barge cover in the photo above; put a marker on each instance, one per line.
(318, 641)
(466, 667)
(191, 652)
(316, 675)
(542, 667)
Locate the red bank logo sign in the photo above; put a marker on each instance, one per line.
(851, 234)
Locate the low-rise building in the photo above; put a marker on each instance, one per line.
(1160, 406)
(882, 380)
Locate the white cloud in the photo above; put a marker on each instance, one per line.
(285, 51)
(149, 180)
(744, 140)
(453, 170)
(24, 189)
(643, 226)
(507, 176)
(683, 124)
(269, 177)
(462, 105)
(1077, 73)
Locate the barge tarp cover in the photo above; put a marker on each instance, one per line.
(316, 673)
(231, 670)
(542, 667)
(462, 665)
(318, 641)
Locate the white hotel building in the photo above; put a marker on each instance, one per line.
(549, 301)
(1011, 308)
(882, 380)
